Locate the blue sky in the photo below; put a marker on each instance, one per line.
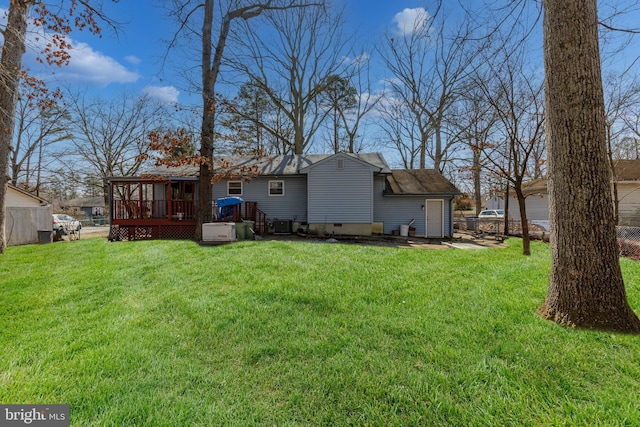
(131, 61)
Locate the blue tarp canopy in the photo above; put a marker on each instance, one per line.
(225, 206)
(229, 201)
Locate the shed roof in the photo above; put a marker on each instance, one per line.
(419, 182)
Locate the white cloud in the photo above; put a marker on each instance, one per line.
(163, 94)
(410, 20)
(94, 68)
(86, 66)
(133, 60)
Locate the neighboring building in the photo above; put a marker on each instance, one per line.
(86, 206)
(342, 194)
(537, 202)
(627, 181)
(28, 218)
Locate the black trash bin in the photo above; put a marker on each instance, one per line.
(45, 236)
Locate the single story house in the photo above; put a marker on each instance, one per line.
(86, 206)
(28, 217)
(627, 181)
(342, 194)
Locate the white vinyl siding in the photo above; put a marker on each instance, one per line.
(340, 191)
(629, 203)
(292, 205)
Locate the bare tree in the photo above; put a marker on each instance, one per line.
(586, 288)
(429, 64)
(109, 136)
(515, 96)
(39, 125)
(475, 120)
(293, 66)
(400, 131)
(353, 116)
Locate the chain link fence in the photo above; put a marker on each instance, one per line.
(629, 241)
(496, 226)
(628, 236)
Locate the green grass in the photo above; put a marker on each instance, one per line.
(168, 333)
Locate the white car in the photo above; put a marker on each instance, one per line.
(65, 223)
(491, 213)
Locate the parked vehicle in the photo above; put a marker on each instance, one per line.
(65, 223)
(491, 214)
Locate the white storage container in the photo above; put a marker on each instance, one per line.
(218, 232)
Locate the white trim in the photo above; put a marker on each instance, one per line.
(229, 193)
(269, 188)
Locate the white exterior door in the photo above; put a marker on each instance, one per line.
(434, 210)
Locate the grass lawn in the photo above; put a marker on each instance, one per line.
(169, 333)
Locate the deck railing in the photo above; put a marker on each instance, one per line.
(184, 210)
(260, 222)
(154, 209)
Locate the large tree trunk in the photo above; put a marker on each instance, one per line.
(205, 197)
(585, 286)
(209, 76)
(10, 65)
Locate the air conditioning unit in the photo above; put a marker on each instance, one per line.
(219, 232)
(282, 226)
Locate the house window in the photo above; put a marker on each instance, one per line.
(340, 164)
(234, 188)
(276, 188)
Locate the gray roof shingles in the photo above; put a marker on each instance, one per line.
(281, 165)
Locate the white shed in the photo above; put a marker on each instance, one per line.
(28, 218)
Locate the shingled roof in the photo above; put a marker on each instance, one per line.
(418, 182)
(627, 170)
(281, 165)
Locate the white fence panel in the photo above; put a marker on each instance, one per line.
(23, 225)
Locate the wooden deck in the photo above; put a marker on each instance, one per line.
(153, 209)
